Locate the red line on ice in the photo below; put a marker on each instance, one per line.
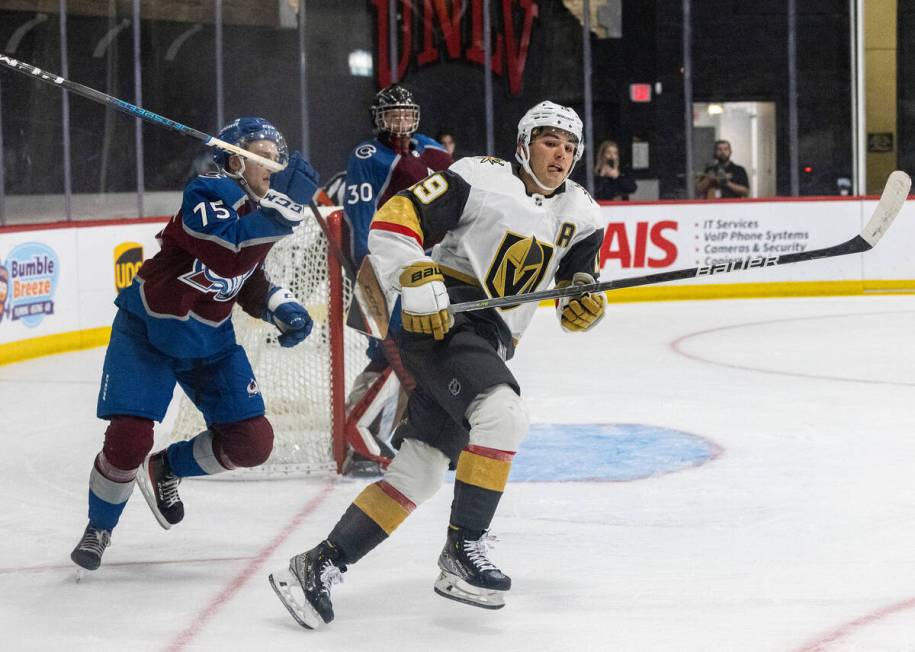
(161, 562)
(822, 644)
(209, 611)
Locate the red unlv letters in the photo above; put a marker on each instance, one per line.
(509, 52)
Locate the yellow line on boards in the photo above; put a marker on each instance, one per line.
(756, 290)
(49, 344)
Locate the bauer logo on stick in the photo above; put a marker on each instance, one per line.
(737, 265)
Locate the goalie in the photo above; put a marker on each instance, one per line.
(396, 158)
(503, 229)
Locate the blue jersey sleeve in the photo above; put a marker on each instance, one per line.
(367, 173)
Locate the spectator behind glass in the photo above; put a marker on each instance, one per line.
(723, 179)
(448, 140)
(611, 180)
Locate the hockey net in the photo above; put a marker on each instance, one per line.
(304, 387)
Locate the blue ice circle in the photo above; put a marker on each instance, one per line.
(588, 452)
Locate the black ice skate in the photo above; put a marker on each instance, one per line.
(304, 586)
(159, 486)
(88, 552)
(468, 575)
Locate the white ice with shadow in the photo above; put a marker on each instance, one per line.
(702, 476)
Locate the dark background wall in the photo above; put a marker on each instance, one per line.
(905, 84)
(739, 52)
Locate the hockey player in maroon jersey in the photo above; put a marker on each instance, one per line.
(173, 325)
(396, 158)
(503, 229)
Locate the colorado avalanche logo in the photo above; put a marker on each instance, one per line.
(205, 280)
(253, 389)
(366, 151)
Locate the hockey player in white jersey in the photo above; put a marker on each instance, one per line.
(501, 229)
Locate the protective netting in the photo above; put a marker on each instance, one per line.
(295, 382)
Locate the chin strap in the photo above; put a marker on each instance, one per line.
(240, 179)
(524, 158)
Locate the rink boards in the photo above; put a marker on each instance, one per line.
(60, 280)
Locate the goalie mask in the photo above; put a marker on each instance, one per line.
(241, 133)
(395, 112)
(544, 117)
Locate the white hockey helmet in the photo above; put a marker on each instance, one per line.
(548, 114)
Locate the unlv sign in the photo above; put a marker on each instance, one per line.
(509, 53)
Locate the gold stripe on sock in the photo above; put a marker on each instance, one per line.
(382, 507)
(481, 470)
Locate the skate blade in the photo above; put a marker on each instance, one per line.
(290, 593)
(454, 588)
(146, 489)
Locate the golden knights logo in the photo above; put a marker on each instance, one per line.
(518, 266)
(128, 256)
(492, 160)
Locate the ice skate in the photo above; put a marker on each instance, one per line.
(304, 586)
(159, 486)
(88, 552)
(467, 575)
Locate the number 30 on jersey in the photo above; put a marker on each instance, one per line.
(357, 192)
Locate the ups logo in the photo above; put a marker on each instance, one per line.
(518, 266)
(128, 256)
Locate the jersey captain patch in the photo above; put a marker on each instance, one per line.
(518, 266)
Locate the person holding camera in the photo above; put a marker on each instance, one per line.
(724, 179)
(611, 180)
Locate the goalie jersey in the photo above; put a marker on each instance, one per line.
(376, 172)
(492, 238)
(211, 256)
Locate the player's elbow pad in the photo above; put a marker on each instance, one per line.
(581, 313)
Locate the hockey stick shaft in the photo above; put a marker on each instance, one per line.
(156, 119)
(891, 202)
(137, 112)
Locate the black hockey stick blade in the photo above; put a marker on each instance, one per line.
(891, 202)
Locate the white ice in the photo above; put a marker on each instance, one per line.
(800, 535)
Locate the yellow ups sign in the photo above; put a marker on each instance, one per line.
(128, 256)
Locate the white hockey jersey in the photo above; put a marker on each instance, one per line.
(489, 233)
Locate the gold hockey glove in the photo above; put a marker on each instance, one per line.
(578, 314)
(424, 300)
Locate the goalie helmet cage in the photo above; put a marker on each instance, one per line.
(304, 387)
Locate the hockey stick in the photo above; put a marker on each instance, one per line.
(891, 202)
(128, 108)
(210, 141)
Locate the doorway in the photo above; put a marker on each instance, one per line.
(750, 128)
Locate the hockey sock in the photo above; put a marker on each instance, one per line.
(194, 457)
(109, 489)
(481, 476)
(377, 511)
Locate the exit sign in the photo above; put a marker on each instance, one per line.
(640, 92)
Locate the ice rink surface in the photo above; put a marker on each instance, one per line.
(796, 533)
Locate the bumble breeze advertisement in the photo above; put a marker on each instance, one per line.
(743, 239)
(32, 271)
(58, 283)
